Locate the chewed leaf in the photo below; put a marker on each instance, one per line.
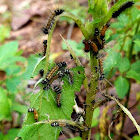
(45, 104)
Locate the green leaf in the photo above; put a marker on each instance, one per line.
(123, 19)
(32, 60)
(112, 37)
(112, 60)
(133, 74)
(108, 34)
(1, 136)
(13, 69)
(135, 13)
(4, 106)
(76, 138)
(11, 61)
(19, 108)
(12, 133)
(123, 64)
(12, 84)
(45, 103)
(136, 138)
(95, 119)
(77, 47)
(8, 50)
(98, 8)
(4, 32)
(121, 86)
(136, 66)
(40, 131)
(89, 26)
(117, 25)
(137, 42)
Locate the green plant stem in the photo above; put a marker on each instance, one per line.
(78, 22)
(90, 96)
(48, 48)
(130, 51)
(69, 122)
(77, 61)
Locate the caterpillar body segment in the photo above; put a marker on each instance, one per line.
(104, 30)
(53, 71)
(122, 8)
(87, 46)
(45, 47)
(63, 124)
(94, 47)
(58, 95)
(46, 29)
(35, 113)
(41, 72)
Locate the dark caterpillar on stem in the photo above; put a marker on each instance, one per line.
(122, 8)
(51, 20)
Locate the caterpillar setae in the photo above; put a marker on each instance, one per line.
(53, 71)
(55, 124)
(122, 8)
(58, 95)
(44, 47)
(51, 20)
(104, 30)
(35, 113)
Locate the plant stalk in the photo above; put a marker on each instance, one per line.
(90, 97)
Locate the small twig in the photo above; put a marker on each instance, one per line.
(69, 122)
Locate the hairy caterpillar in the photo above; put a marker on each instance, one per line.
(122, 8)
(104, 30)
(35, 113)
(55, 124)
(45, 47)
(51, 20)
(58, 96)
(52, 72)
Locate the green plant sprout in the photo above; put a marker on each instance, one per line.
(51, 118)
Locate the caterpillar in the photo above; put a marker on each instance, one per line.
(45, 47)
(122, 8)
(58, 96)
(52, 72)
(63, 124)
(93, 46)
(66, 71)
(104, 30)
(35, 113)
(51, 20)
(41, 72)
(87, 46)
(60, 74)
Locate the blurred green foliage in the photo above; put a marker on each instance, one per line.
(12, 68)
(76, 9)
(126, 31)
(4, 32)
